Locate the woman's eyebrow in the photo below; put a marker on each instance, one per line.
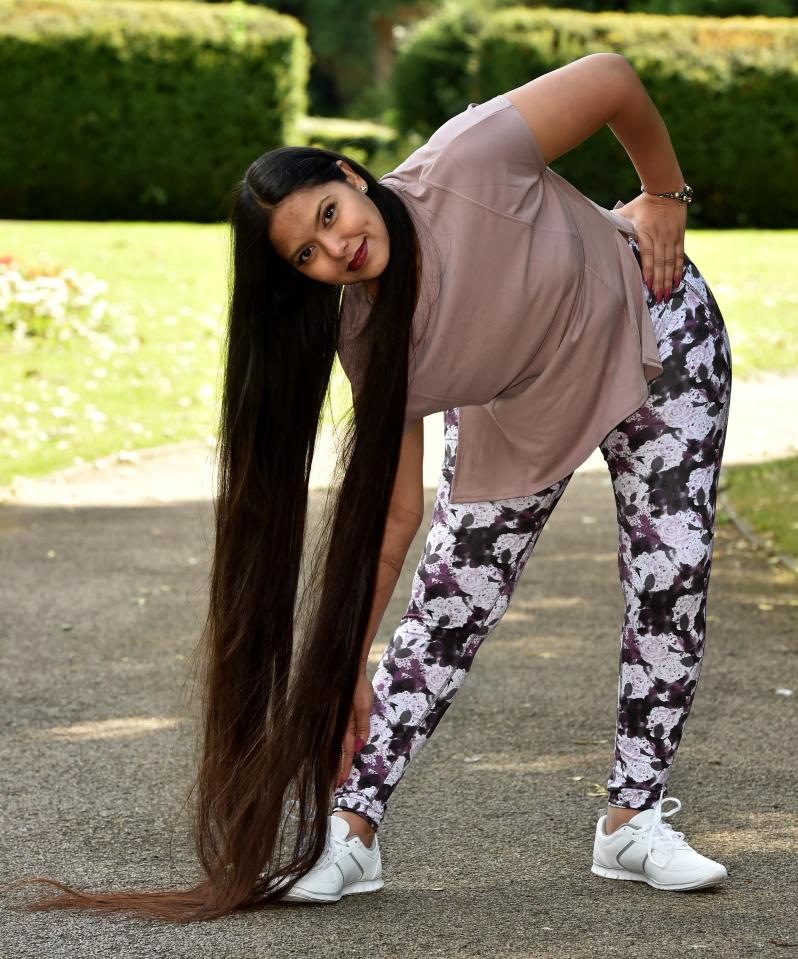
(316, 223)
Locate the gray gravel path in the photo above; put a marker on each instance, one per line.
(487, 841)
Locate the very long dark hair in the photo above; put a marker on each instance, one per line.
(280, 662)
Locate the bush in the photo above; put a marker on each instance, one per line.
(434, 70)
(57, 307)
(360, 139)
(714, 8)
(726, 89)
(129, 110)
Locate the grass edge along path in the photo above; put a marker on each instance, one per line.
(761, 500)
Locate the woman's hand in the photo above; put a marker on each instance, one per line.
(357, 732)
(660, 223)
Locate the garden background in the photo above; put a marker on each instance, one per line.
(126, 123)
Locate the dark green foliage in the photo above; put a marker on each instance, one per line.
(711, 8)
(129, 110)
(727, 91)
(434, 73)
(342, 35)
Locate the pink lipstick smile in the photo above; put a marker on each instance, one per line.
(360, 257)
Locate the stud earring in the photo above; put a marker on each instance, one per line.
(364, 187)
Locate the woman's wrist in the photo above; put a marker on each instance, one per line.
(642, 132)
(682, 194)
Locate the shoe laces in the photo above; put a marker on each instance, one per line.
(334, 848)
(661, 835)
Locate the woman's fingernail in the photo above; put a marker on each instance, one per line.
(667, 293)
(359, 744)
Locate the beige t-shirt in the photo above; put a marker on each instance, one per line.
(532, 317)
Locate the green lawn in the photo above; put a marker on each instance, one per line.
(752, 274)
(766, 495)
(62, 405)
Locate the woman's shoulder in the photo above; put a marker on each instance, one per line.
(476, 145)
(487, 154)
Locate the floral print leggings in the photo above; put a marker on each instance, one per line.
(664, 461)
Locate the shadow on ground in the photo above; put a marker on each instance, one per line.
(487, 840)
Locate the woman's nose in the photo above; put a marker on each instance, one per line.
(338, 249)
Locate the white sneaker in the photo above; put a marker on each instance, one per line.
(647, 849)
(346, 866)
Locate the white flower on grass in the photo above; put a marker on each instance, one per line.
(94, 415)
(40, 305)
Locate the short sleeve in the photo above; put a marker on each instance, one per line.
(487, 154)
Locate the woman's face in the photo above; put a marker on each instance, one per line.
(319, 230)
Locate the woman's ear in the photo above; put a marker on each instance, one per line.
(351, 176)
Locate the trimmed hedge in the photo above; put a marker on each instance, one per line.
(727, 90)
(363, 140)
(129, 110)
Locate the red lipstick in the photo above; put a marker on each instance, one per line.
(360, 257)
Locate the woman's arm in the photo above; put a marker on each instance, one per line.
(566, 106)
(405, 512)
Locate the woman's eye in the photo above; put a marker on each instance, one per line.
(302, 258)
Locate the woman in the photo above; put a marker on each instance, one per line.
(522, 312)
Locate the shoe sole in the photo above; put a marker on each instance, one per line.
(302, 895)
(637, 877)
